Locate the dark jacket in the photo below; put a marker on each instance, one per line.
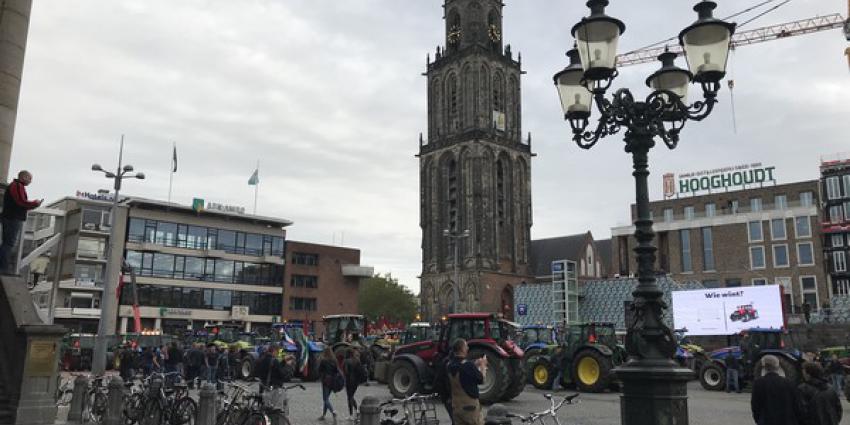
(272, 372)
(470, 376)
(731, 361)
(327, 370)
(195, 358)
(775, 401)
(821, 405)
(353, 371)
(15, 202)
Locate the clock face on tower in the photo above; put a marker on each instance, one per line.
(494, 33)
(454, 34)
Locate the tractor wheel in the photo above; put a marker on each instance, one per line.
(542, 374)
(529, 359)
(312, 368)
(712, 377)
(246, 368)
(735, 317)
(518, 380)
(496, 380)
(403, 379)
(591, 371)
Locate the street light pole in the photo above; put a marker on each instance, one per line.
(109, 296)
(456, 237)
(654, 387)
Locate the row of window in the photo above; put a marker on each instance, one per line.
(302, 304)
(157, 264)
(780, 202)
(304, 281)
(198, 237)
(778, 230)
(305, 259)
(781, 258)
(833, 187)
(838, 213)
(205, 299)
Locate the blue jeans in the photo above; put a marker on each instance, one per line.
(837, 383)
(11, 234)
(211, 375)
(732, 376)
(326, 400)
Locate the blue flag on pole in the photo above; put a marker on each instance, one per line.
(255, 178)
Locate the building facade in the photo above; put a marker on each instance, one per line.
(835, 188)
(589, 255)
(756, 236)
(475, 169)
(321, 280)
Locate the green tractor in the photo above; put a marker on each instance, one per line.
(588, 355)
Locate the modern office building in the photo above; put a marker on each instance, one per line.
(320, 280)
(764, 234)
(835, 189)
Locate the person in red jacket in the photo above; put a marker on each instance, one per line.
(15, 207)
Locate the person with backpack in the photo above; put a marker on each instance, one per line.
(821, 405)
(329, 376)
(355, 374)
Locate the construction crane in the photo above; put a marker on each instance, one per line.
(758, 35)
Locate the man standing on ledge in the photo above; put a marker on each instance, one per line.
(15, 207)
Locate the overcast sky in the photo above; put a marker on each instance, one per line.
(328, 96)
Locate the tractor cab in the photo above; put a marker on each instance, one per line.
(344, 328)
(416, 332)
(537, 336)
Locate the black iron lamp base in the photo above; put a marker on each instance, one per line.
(654, 392)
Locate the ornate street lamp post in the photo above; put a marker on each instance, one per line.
(654, 387)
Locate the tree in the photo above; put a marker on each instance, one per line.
(382, 296)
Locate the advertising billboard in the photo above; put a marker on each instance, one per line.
(727, 311)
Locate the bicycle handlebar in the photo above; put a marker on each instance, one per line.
(412, 397)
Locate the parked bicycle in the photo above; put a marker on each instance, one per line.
(551, 412)
(232, 406)
(268, 406)
(414, 410)
(94, 403)
(171, 405)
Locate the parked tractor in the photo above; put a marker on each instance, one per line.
(412, 367)
(536, 340)
(588, 355)
(688, 354)
(418, 331)
(744, 313)
(241, 344)
(347, 331)
(754, 344)
(292, 340)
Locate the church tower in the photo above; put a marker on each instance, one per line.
(475, 169)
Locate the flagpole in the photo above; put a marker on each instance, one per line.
(257, 187)
(171, 175)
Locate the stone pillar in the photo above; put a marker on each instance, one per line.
(370, 411)
(114, 402)
(206, 405)
(123, 327)
(14, 26)
(75, 412)
(157, 324)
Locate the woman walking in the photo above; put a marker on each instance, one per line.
(327, 372)
(353, 370)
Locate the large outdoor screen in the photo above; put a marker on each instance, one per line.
(727, 311)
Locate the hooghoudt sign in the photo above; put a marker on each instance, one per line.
(718, 179)
(727, 311)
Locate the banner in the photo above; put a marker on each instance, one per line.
(727, 311)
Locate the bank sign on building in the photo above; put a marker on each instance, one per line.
(718, 180)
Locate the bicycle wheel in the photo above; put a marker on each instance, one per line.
(234, 416)
(134, 408)
(97, 408)
(153, 413)
(185, 412)
(256, 419)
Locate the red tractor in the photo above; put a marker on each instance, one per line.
(412, 367)
(744, 313)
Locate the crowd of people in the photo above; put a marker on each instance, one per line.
(777, 401)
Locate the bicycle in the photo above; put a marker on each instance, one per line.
(95, 401)
(64, 390)
(418, 410)
(231, 410)
(171, 405)
(550, 412)
(262, 406)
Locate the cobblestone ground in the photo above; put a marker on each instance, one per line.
(705, 407)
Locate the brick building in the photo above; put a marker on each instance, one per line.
(320, 280)
(835, 180)
(756, 236)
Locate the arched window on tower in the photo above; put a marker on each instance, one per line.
(451, 88)
(499, 102)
